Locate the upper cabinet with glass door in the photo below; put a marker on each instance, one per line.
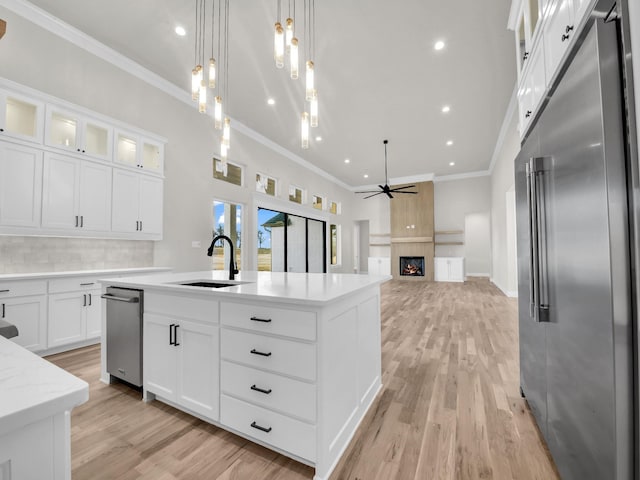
(76, 133)
(527, 30)
(138, 151)
(21, 117)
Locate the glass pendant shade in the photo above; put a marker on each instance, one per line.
(313, 111)
(288, 33)
(212, 72)
(217, 112)
(226, 133)
(202, 98)
(223, 154)
(195, 84)
(305, 130)
(310, 90)
(278, 45)
(293, 58)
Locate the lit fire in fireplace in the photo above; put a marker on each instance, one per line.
(412, 266)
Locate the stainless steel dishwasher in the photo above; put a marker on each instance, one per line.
(124, 334)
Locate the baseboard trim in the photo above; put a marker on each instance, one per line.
(486, 275)
(508, 293)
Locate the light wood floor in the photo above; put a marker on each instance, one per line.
(450, 407)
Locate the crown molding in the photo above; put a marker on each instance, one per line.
(80, 39)
(462, 176)
(512, 108)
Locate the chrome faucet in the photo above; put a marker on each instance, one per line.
(232, 267)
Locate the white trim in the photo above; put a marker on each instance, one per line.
(483, 275)
(508, 293)
(513, 14)
(462, 176)
(506, 123)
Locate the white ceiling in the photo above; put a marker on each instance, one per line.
(377, 73)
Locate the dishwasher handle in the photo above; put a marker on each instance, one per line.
(108, 296)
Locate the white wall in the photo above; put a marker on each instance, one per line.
(34, 57)
(503, 265)
(454, 200)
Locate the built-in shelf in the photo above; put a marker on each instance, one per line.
(379, 244)
(449, 243)
(449, 232)
(412, 240)
(379, 234)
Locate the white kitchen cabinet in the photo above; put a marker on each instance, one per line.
(379, 266)
(449, 269)
(527, 29)
(181, 363)
(138, 151)
(20, 185)
(77, 133)
(532, 88)
(20, 117)
(23, 304)
(137, 203)
(74, 317)
(558, 31)
(76, 194)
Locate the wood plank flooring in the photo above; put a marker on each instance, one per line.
(450, 407)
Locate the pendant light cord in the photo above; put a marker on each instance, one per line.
(386, 175)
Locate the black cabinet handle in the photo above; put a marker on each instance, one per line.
(78, 149)
(525, 56)
(76, 220)
(256, 352)
(258, 427)
(565, 37)
(86, 284)
(175, 335)
(83, 151)
(528, 114)
(568, 29)
(89, 299)
(257, 389)
(1, 129)
(140, 225)
(84, 300)
(4, 291)
(81, 220)
(171, 342)
(3, 310)
(265, 320)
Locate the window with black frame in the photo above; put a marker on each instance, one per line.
(290, 243)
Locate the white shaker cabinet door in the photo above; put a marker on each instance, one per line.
(124, 214)
(29, 315)
(95, 197)
(198, 368)
(66, 318)
(60, 192)
(159, 357)
(558, 31)
(93, 314)
(150, 203)
(20, 185)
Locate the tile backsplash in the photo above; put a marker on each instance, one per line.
(55, 254)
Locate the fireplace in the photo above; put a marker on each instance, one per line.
(412, 266)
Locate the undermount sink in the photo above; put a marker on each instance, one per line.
(211, 284)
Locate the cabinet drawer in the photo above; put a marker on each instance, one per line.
(279, 321)
(269, 390)
(293, 436)
(21, 288)
(73, 284)
(269, 353)
(193, 308)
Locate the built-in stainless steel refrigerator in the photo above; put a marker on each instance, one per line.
(576, 184)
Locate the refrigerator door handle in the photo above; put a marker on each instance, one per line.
(539, 295)
(533, 257)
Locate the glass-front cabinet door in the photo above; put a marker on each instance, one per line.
(152, 154)
(21, 117)
(96, 139)
(76, 133)
(140, 152)
(126, 149)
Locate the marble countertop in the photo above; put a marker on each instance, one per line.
(299, 288)
(32, 388)
(80, 273)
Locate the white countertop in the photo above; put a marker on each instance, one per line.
(80, 273)
(32, 388)
(299, 288)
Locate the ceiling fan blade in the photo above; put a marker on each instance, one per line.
(369, 191)
(413, 193)
(395, 189)
(383, 188)
(389, 195)
(372, 195)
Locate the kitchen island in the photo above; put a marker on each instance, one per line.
(290, 361)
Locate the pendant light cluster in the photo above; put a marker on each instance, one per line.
(217, 79)
(286, 49)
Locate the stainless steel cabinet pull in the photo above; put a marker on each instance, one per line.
(256, 352)
(264, 429)
(257, 389)
(265, 320)
(108, 296)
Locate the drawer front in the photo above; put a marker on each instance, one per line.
(21, 288)
(293, 436)
(193, 308)
(269, 353)
(73, 284)
(288, 396)
(279, 321)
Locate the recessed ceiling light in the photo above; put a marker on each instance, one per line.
(439, 45)
(180, 31)
(446, 109)
(346, 160)
(366, 175)
(449, 143)
(271, 101)
(318, 138)
(451, 164)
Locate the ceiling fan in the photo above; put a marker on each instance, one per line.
(387, 189)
